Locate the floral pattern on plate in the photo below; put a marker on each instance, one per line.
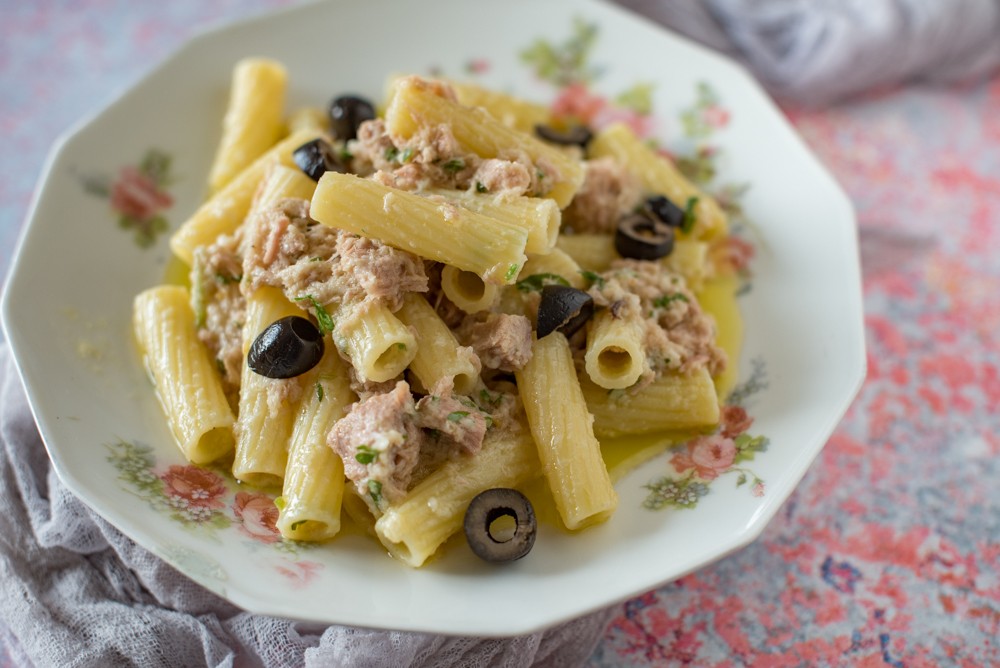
(138, 196)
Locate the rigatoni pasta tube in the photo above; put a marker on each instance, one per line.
(558, 263)
(593, 252)
(223, 212)
(187, 382)
(414, 529)
(415, 104)
(313, 489)
(261, 434)
(434, 230)
(672, 401)
(616, 354)
(539, 216)
(467, 290)
(561, 426)
(252, 123)
(279, 183)
(378, 345)
(439, 355)
(659, 175)
(510, 110)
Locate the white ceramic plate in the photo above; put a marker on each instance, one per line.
(67, 306)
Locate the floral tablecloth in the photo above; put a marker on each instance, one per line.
(889, 552)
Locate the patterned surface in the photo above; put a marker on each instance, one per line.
(889, 552)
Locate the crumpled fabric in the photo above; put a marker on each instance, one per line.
(820, 51)
(74, 591)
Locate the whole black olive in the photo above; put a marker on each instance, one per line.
(488, 507)
(286, 348)
(577, 135)
(315, 158)
(347, 112)
(663, 209)
(564, 309)
(642, 238)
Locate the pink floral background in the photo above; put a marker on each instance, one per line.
(888, 554)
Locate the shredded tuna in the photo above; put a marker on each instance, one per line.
(287, 249)
(679, 335)
(502, 341)
(608, 192)
(220, 307)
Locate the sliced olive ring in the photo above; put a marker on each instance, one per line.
(488, 507)
(663, 209)
(315, 158)
(347, 113)
(641, 238)
(577, 135)
(563, 309)
(286, 348)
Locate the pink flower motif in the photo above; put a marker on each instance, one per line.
(137, 196)
(300, 573)
(640, 124)
(578, 102)
(758, 489)
(709, 456)
(715, 116)
(738, 253)
(258, 516)
(735, 421)
(194, 486)
(477, 66)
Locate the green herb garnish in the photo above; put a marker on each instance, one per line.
(226, 279)
(279, 502)
(454, 165)
(536, 282)
(457, 415)
(665, 300)
(375, 491)
(689, 215)
(391, 154)
(511, 272)
(480, 188)
(366, 454)
(323, 318)
(593, 277)
(319, 391)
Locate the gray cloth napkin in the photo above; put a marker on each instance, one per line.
(74, 591)
(819, 51)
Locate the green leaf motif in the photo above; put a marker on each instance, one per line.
(566, 63)
(638, 98)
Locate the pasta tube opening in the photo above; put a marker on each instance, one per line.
(467, 290)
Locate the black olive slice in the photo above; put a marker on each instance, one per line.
(577, 135)
(641, 238)
(564, 309)
(663, 209)
(286, 348)
(315, 158)
(491, 542)
(347, 112)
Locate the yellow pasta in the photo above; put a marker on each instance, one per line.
(415, 104)
(659, 175)
(313, 488)
(439, 356)
(378, 345)
(279, 183)
(187, 383)
(615, 356)
(673, 401)
(467, 290)
(557, 262)
(596, 252)
(434, 510)
(439, 231)
(253, 121)
(567, 448)
(262, 432)
(512, 111)
(308, 118)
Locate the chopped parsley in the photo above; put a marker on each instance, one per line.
(480, 188)
(226, 279)
(689, 215)
(406, 154)
(391, 154)
(665, 300)
(375, 491)
(366, 454)
(319, 391)
(593, 277)
(512, 272)
(401, 346)
(536, 282)
(345, 155)
(454, 165)
(324, 319)
(540, 174)
(457, 415)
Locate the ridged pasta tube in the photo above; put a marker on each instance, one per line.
(378, 345)
(467, 290)
(439, 354)
(616, 354)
